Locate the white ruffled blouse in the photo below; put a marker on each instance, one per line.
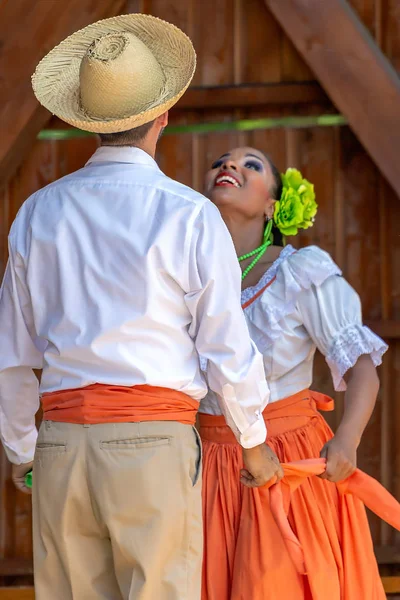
(305, 305)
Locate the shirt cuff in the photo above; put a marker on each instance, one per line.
(254, 435)
(22, 451)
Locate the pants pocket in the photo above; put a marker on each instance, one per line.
(136, 443)
(196, 471)
(47, 452)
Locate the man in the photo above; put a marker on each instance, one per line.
(118, 278)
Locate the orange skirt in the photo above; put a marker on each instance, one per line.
(245, 553)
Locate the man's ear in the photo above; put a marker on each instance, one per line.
(162, 120)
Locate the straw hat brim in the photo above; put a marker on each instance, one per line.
(56, 79)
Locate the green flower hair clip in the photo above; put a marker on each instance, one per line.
(296, 208)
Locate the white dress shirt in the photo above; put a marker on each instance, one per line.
(119, 275)
(308, 305)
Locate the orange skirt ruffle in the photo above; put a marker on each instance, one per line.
(246, 555)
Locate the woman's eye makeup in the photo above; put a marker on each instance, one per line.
(253, 164)
(216, 164)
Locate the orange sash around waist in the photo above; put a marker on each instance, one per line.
(304, 404)
(299, 407)
(100, 403)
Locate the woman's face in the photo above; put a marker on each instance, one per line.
(241, 181)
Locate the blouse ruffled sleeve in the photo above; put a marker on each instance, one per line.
(331, 314)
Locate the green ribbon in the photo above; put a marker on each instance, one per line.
(203, 128)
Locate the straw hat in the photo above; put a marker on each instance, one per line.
(116, 74)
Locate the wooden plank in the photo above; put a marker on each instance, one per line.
(177, 13)
(36, 27)
(366, 11)
(385, 329)
(315, 151)
(387, 555)
(385, 392)
(7, 593)
(214, 41)
(294, 67)
(15, 567)
(395, 426)
(261, 44)
(340, 52)
(391, 37)
(391, 585)
(175, 153)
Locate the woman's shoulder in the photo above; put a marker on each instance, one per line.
(310, 258)
(309, 266)
(294, 272)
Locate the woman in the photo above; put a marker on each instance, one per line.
(295, 302)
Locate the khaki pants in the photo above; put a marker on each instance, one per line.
(117, 512)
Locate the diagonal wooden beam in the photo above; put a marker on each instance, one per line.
(28, 30)
(353, 71)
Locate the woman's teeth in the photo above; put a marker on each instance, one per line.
(226, 179)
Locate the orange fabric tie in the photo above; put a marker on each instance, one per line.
(100, 403)
(359, 484)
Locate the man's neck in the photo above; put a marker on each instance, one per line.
(149, 148)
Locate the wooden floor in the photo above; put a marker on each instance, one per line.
(391, 585)
(17, 594)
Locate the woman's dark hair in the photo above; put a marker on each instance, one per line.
(276, 193)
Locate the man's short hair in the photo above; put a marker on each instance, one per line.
(126, 138)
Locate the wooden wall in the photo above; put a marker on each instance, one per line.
(239, 43)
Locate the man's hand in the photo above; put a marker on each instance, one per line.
(261, 464)
(18, 476)
(341, 458)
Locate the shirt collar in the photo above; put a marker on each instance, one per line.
(125, 154)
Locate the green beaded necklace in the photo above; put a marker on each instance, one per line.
(258, 252)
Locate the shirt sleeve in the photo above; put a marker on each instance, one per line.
(19, 387)
(331, 314)
(234, 366)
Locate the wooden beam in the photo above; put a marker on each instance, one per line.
(353, 71)
(28, 30)
(253, 95)
(243, 96)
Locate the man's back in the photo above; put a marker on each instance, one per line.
(106, 261)
(117, 277)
